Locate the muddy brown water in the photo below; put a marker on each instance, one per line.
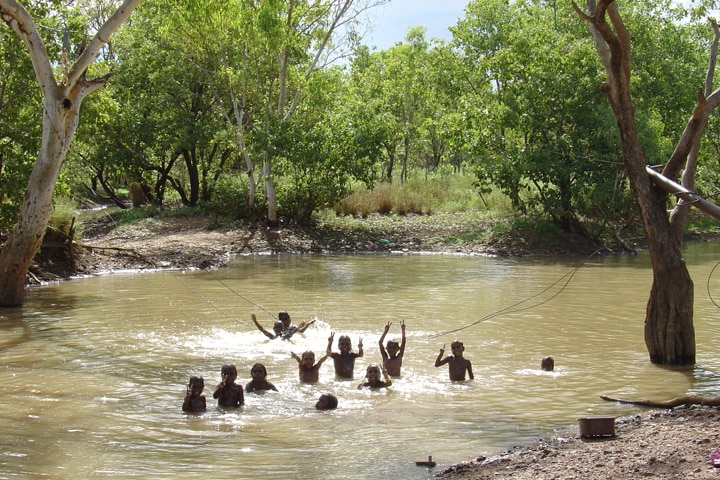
(94, 369)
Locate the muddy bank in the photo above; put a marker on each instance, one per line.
(666, 445)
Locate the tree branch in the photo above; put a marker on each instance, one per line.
(90, 53)
(18, 18)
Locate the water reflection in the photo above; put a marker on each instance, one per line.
(95, 369)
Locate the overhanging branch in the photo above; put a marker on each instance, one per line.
(683, 193)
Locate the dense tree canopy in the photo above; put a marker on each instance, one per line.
(210, 111)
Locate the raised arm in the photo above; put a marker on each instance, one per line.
(322, 359)
(304, 325)
(439, 360)
(383, 353)
(330, 340)
(296, 357)
(260, 327)
(220, 387)
(402, 340)
(388, 380)
(360, 349)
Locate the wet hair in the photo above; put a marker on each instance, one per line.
(229, 368)
(278, 327)
(458, 342)
(307, 352)
(344, 337)
(331, 401)
(373, 366)
(393, 342)
(261, 366)
(283, 315)
(547, 364)
(194, 380)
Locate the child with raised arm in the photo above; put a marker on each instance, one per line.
(344, 361)
(372, 375)
(278, 329)
(228, 393)
(194, 399)
(289, 328)
(393, 356)
(457, 364)
(258, 373)
(308, 369)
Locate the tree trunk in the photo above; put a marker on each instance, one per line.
(270, 194)
(25, 239)
(669, 331)
(61, 102)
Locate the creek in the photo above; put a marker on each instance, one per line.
(95, 369)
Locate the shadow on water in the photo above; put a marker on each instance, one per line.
(13, 329)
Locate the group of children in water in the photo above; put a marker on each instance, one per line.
(229, 394)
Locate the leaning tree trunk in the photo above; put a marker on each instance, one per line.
(61, 107)
(669, 331)
(59, 124)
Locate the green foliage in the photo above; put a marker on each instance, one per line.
(21, 101)
(230, 200)
(63, 216)
(421, 195)
(514, 99)
(699, 222)
(128, 216)
(20, 135)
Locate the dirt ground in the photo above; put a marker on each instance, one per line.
(657, 444)
(661, 445)
(188, 242)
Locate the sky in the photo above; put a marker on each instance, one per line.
(392, 20)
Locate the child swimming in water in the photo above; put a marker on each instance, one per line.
(228, 393)
(547, 364)
(344, 360)
(194, 399)
(278, 329)
(309, 371)
(393, 356)
(457, 364)
(327, 401)
(288, 328)
(258, 373)
(372, 374)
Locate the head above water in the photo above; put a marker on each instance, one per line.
(548, 364)
(344, 342)
(196, 381)
(278, 327)
(327, 401)
(258, 371)
(229, 370)
(284, 317)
